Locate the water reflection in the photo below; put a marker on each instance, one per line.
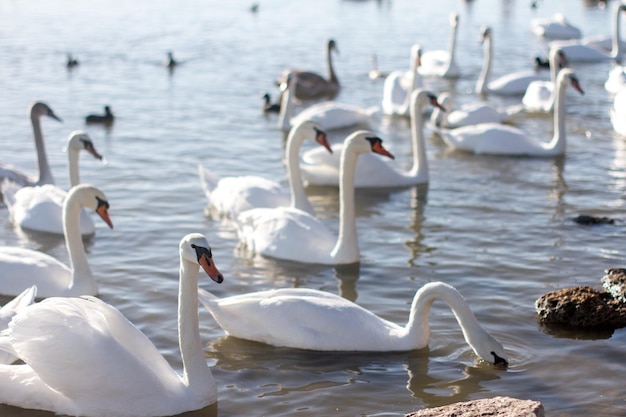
(418, 204)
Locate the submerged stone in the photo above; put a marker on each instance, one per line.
(492, 407)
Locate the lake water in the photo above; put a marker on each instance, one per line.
(499, 229)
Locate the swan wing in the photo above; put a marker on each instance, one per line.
(333, 115)
(21, 267)
(396, 93)
(208, 180)
(538, 96)
(236, 194)
(516, 83)
(7, 311)
(84, 348)
(300, 318)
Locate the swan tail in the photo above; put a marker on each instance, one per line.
(8, 189)
(26, 298)
(513, 110)
(8, 355)
(207, 179)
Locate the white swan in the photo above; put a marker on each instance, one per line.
(83, 357)
(497, 139)
(40, 208)
(587, 50)
(10, 309)
(330, 115)
(556, 27)
(470, 113)
(37, 110)
(375, 73)
(304, 318)
(20, 267)
(399, 85)
(229, 196)
(618, 113)
(311, 85)
(514, 83)
(292, 234)
(442, 63)
(616, 79)
(371, 171)
(541, 95)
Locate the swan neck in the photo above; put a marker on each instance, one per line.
(286, 109)
(299, 198)
(72, 156)
(347, 247)
(82, 277)
(616, 46)
(420, 161)
(329, 63)
(196, 373)
(557, 144)
(45, 174)
(418, 327)
(485, 72)
(452, 46)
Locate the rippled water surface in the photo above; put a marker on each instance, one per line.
(498, 229)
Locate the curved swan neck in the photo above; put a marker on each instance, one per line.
(82, 278)
(346, 249)
(45, 175)
(420, 161)
(72, 159)
(196, 373)
(417, 328)
(299, 198)
(616, 43)
(485, 72)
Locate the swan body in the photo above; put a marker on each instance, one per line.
(37, 111)
(511, 84)
(295, 235)
(310, 85)
(470, 114)
(330, 115)
(371, 171)
(616, 79)
(374, 73)
(590, 51)
(83, 357)
(399, 85)
(10, 309)
(496, 139)
(540, 95)
(40, 208)
(442, 63)
(311, 319)
(618, 113)
(229, 196)
(21, 267)
(556, 27)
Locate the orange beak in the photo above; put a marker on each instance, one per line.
(210, 268)
(380, 149)
(103, 212)
(322, 140)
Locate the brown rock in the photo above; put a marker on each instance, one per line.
(492, 407)
(581, 307)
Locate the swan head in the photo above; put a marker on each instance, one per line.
(489, 349)
(332, 46)
(364, 141)
(39, 109)
(566, 75)
(92, 198)
(416, 55)
(79, 140)
(195, 248)
(421, 97)
(485, 33)
(309, 129)
(454, 19)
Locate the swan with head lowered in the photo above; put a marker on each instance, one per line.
(511, 84)
(399, 85)
(13, 174)
(316, 320)
(330, 115)
(228, 196)
(311, 85)
(295, 235)
(590, 50)
(442, 63)
(556, 27)
(40, 208)
(371, 171)
(497, 139)
(470, 113)
(82, 357)
(21, 267)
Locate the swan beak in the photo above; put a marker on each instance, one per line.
(320, 137)
(577, 86)
(103, 212)
(92, 150)
(54, 116)
(435, 103)
(210, 268)
(499, 361)
(377, 147)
